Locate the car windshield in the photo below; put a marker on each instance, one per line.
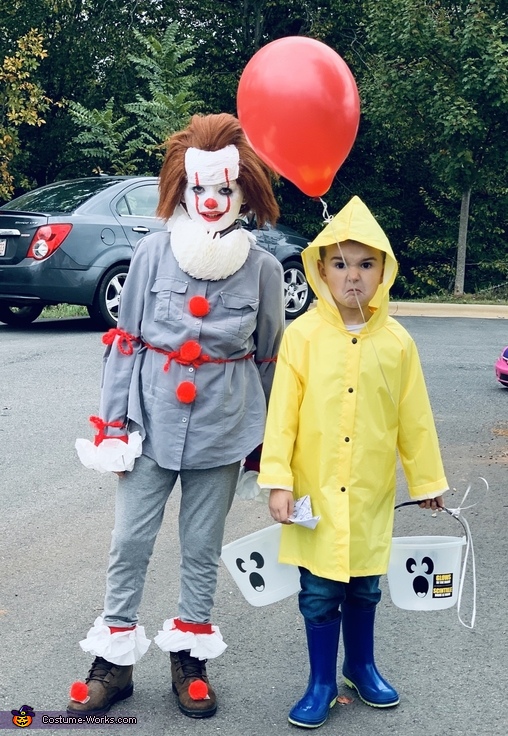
(63, 196)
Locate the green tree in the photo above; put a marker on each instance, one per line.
(229, 33)
(88, 43)
(167, 67)
(438, 82)
(22, 102)
(131, 142)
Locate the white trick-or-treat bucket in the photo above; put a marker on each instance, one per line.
(424, 572)
(253, 564)
(427, 573)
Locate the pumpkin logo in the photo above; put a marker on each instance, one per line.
(23, 717)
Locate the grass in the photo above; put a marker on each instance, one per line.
(493, 295)
(60, 311)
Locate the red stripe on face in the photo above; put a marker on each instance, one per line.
(196, 183)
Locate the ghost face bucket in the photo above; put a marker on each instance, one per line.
(424, 573)
(253, 564)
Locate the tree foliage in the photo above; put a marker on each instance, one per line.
(438, 81)
(22, 102)
(432, 76)
(131, 142)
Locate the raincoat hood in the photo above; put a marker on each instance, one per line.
(353, 222)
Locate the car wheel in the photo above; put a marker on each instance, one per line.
(297, 293)
(104, 310)
(19, 316)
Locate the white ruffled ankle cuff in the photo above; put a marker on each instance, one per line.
(112, 455)
(123, 647)
(201, 646)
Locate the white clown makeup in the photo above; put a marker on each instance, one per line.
(212, 196)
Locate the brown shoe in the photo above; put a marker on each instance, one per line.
(107, 684)
(196, 697)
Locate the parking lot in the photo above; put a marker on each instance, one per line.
(54, 536)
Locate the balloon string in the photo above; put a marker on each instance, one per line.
(326, 216)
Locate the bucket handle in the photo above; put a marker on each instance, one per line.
(469, 550)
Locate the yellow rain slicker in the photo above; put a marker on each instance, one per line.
(342, 405)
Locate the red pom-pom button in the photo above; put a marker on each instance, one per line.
(199, 306)
(190, 350)
(186, 392)
(198, 690)
(79, 692)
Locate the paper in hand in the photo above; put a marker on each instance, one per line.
(302, 513)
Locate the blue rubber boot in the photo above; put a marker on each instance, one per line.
(359, 669)
(321, 694)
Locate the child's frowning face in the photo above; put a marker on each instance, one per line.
(352, 272)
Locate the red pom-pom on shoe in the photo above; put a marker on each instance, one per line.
(198, 690)
(79, 692)
(199, 306)
(186, 392)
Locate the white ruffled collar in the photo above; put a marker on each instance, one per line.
(204, 256)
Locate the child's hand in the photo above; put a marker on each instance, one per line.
(281, 505)
(433, 503)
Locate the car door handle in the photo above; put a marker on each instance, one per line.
(141, 229)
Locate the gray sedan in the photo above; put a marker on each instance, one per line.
(71, 242)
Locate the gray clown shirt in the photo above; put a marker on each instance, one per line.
(191, 362)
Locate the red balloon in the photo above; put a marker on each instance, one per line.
(299, 107)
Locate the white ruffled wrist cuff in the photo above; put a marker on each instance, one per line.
(201, 646)
(112, 455)
(123, 647)
(247, 487)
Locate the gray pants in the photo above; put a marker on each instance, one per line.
(141, 498)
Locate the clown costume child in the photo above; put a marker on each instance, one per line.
(186, 379)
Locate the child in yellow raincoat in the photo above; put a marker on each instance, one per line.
(348, 394)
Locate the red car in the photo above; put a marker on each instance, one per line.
(501, 368)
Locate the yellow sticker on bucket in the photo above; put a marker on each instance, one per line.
(443, 585)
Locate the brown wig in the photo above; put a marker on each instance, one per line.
(211, 133)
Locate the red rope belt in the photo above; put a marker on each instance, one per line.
(190, 353)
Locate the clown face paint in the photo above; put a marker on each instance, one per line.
(215, 206)
(212, 196)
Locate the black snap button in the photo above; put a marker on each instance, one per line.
(350, 390)
(354, 340)
(343, 489)
(346, 439)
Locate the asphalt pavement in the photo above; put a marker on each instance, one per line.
(55, 525)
